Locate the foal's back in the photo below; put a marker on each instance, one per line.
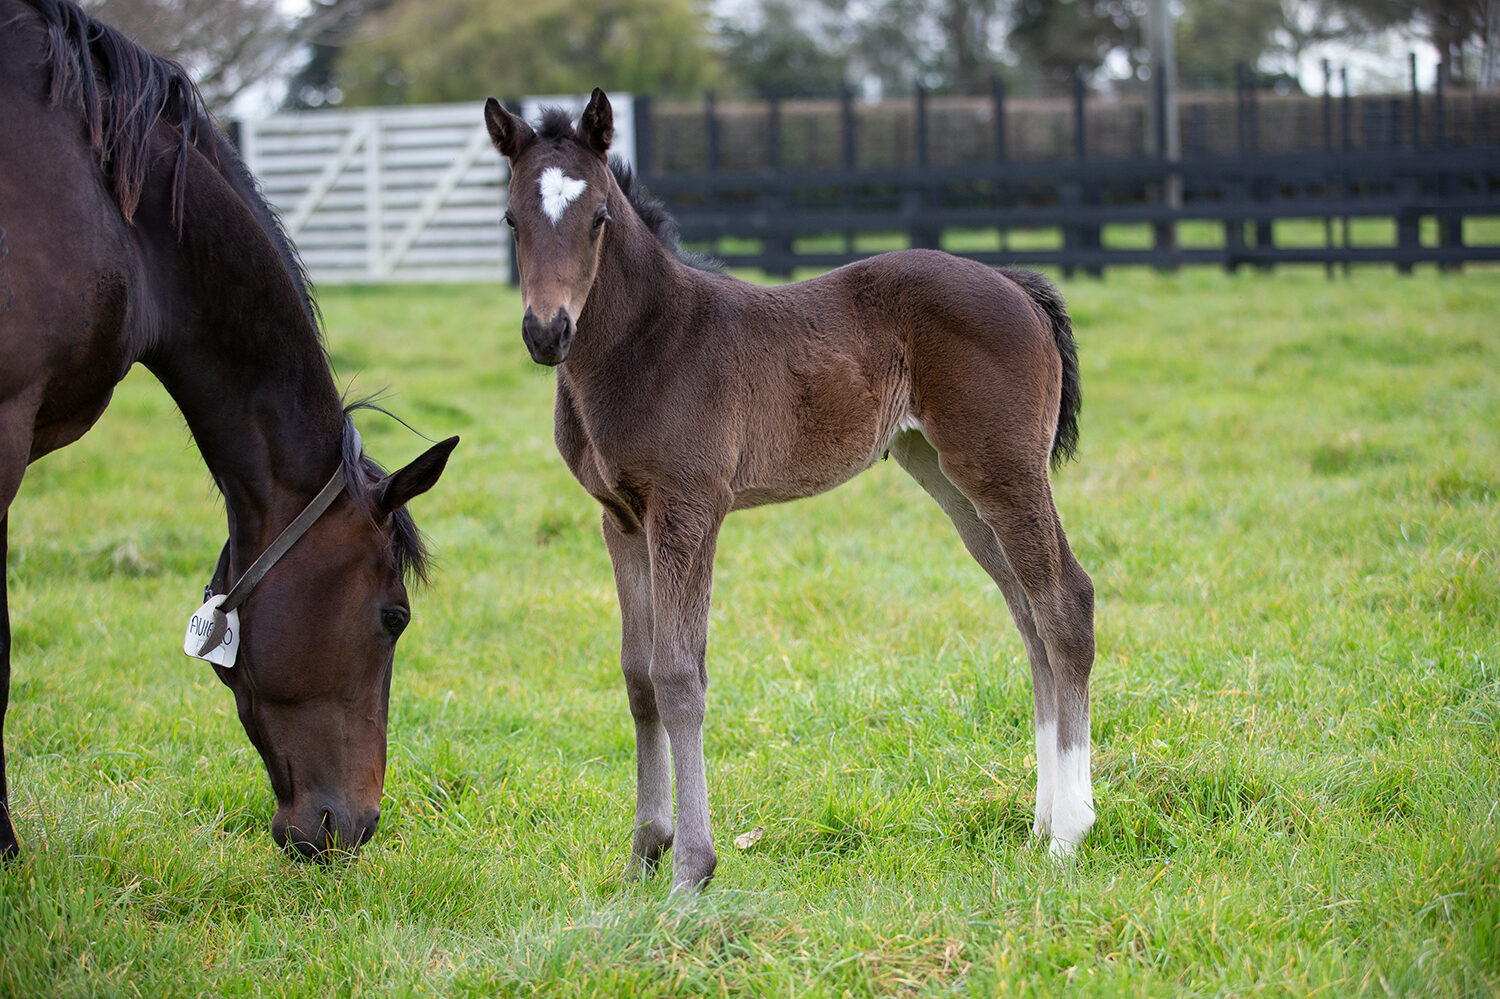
(819, 376)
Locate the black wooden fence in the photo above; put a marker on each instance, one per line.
(1409, 170)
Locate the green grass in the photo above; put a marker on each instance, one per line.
(1288, 496)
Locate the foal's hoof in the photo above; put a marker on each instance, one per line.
(1061, 849)
(693, 870)
(650, 843)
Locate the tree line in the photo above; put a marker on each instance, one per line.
(370, 52)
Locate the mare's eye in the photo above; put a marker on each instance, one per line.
(394, 620)
(510, 219)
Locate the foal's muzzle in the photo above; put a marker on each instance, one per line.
(548, 342)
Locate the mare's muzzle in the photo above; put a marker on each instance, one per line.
(320, 832)
(548, 342)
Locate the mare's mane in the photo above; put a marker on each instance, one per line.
(123, 93)
(556, 125)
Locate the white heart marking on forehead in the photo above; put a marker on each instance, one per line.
(558, 192)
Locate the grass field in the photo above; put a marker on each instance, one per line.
(1288, 496)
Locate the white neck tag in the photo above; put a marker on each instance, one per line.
(197, 630)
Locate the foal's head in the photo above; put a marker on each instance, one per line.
(559, 207)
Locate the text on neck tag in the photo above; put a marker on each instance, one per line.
(202, 625)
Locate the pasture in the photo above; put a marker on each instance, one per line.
(1288, 496)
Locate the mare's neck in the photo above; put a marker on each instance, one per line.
(248, 371)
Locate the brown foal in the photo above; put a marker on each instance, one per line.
(684, 394)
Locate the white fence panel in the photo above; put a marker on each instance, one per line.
(396, 194)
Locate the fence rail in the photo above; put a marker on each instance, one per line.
(415, 194)
(1402, 169)
(1242, 196)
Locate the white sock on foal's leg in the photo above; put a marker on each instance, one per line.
(1072, 801)
(1046, 777)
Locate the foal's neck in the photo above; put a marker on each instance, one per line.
(638, 294)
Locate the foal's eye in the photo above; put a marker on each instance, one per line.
(510, 219)
(600, 217)
(394, 620)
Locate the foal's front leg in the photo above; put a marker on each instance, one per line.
(682, 533)
(631, 559)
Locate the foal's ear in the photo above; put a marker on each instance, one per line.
(400, 487)
(597, 126)
(510, 133)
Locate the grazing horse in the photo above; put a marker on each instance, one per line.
(684, 394)
(132, 232)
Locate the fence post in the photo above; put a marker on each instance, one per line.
(997, 106)
(1408, 221)
(850, 156)
(1439, 132)
(710, 133)
(1346, 112)
(1416, 104)
(921, 201)
(1080, 238)
(999, 192)
(1450, 224)
(1260, 185)
(1234, 228)
(1168, 154)
(777, 242)
(644, 147)
(1328, 175)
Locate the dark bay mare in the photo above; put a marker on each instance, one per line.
(684, 394)
(130, 231)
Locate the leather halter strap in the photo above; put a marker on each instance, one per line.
(288, 537)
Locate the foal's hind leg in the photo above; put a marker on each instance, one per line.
(631, 559)
(1009, 489)
(919, 458)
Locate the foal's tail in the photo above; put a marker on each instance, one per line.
(1045, 294)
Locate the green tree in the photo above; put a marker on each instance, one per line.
(783, 50)
(951, 46)
(1212, 35)
(419, 51)
(1052, 38)
(227, 45)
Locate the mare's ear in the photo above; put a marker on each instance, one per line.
(400, 487)
(510, 133)
(597, 126)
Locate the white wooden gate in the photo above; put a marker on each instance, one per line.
(394, 194)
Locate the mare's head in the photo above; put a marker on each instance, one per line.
(312, 680)
(560, 184)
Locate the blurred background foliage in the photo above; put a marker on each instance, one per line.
(363, 52)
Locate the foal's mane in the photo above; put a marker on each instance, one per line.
(123, 93)
(557, 126)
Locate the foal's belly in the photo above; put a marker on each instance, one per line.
(819, 430)
(775, 471)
